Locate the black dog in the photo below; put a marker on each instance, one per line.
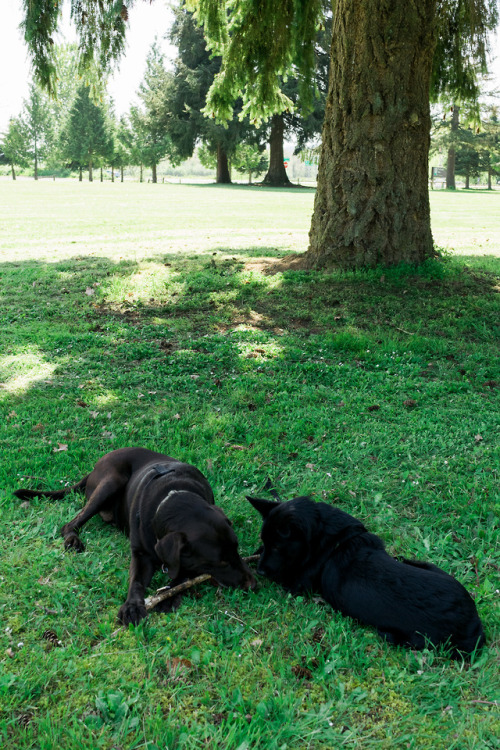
(167, 509)
(312, 546)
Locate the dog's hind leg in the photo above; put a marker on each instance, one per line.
(99, 499)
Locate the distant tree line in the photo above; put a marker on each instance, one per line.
(468, 147)
(78, 130)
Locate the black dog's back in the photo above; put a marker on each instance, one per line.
(409, 603)
(315, 547)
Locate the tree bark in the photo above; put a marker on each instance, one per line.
(467, 181)
(276, 174)
(80, 175)
(121, 174)
(223, 173)
(450, 160)
(13, 171)
(372, 200)
(91, 174)
(153, 170)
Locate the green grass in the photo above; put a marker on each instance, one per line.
(141, 315)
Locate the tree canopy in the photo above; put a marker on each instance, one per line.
(261, 43)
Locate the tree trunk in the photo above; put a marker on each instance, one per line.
(121, 174)
(223, 173)
(13, 171)
(153, 170)
(102, 176)
(372, 200)
(80, 176)
(36, 160)
(141, 176)
(450, 161)
(467, 181)
(249, 178)
(276, 174)
(490, 184)
(91, 174)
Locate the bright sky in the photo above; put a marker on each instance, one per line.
(146, 21)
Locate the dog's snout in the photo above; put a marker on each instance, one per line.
(250, 583)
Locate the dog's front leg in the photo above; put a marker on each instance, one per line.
(141, 572)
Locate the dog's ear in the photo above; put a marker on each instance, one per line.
(168, 549)
(263, 506)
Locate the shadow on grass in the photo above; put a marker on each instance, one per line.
(89, 315)
(453, 299)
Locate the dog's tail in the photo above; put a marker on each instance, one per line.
(56, 495)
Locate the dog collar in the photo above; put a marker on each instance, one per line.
(167, 497)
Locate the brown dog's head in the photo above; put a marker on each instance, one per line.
(198, 538)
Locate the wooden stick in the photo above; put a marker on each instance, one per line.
(167, 592)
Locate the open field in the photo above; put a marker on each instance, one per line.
(140, 315)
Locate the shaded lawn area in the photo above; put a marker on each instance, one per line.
(375, 391)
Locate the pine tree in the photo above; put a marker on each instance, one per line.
(489, 144)
(250, 159)
(37, 125)
(148, 121)
(13, 146)
(86, 139)
(195, 70)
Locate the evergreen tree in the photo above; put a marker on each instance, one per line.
(122, 153)
(59, 105)
(250, 159)
(195, 70)
(467, 161)
(489, 144)
(153, 141)
(13, 146)
(302, 123)
(86, 139)
(37, 126)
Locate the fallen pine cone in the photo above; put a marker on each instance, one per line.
(24, 719)
(51, 637)
(409, 403)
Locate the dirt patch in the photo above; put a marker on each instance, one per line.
(270, 266)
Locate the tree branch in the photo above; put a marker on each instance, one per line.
(167, 592)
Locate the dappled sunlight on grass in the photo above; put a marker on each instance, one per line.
(19, 372)
(260, 352)
(106, 400)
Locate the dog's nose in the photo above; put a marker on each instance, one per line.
(250, 583)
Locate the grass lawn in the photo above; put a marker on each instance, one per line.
(142, 315)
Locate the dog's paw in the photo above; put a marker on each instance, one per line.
(169, 605)
(132, 612)
(73, 541)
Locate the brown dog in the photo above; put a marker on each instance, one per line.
(167, 509)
